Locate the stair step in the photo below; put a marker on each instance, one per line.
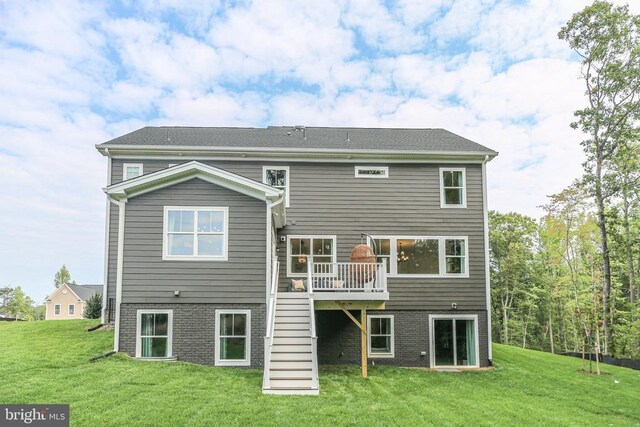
(292, 301)
(286, 332)
(290, 313)
(291, 383)
(291, 348)
(282, 296)
(291, 357)
(290, 365)
(291, 341)
(292, 319)
(278, 373)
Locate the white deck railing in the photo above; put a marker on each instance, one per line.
(314, 340)
(347, 276)
(271, 318)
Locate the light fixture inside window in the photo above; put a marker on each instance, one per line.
(401, 256)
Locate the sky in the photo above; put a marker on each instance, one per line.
(74, 74)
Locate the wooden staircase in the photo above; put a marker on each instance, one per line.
(292, 365)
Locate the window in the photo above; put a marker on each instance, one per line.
(454, 340)
(195, 233)
(423, 256)
(72, 310)
(278, 177)
(380, 335)
(56, 309)
(455, 256)
(452, 188)
(131, 170)
(154, 333)
(299, 247)
(233, 337)
(372, 172)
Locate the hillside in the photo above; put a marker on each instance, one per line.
(48, 362)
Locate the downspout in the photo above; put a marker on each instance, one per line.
(107, 221)
(268, 251)
(119, 267)
(487, 273)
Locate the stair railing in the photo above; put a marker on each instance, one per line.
(271, 319)
(314, 337)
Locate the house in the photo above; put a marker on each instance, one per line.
(233, 247)
(68, 301)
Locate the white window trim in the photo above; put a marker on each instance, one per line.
(443, 203)
(139, 314)
(393, 267)
(165, 235)
(393, 336)
(132, 165)
(57, 307)
(69, 313)
(284, 168)
(358, 170)
(247, 360)
(432, 355)
(308, 236)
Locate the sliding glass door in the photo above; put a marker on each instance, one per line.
(454, 341)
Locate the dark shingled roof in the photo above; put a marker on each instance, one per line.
(290, 137)
(85, 291)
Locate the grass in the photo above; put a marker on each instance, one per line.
(48, 362)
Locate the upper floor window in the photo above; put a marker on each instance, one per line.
(195, 233)
(453, 192)
(278, 177)
(372, 172)
(322, 248)
(131, 170)
(424, 256)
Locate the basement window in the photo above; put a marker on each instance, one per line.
(372, 172)
(154, 333)
(380, 336)
(233, 338)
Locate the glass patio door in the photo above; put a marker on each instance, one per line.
(454, 342)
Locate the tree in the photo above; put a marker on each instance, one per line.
(20, 305)
(93, 309)
(607, 39)
(62, 276)
(511, 241)
(6, 293)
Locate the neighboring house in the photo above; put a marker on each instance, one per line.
(68, 301)
(203, 221)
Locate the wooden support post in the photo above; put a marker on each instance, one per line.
(363, 335)
(362, 325)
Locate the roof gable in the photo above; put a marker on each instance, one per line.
(187, 171)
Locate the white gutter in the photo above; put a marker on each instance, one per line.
(107, 221)
(487, 273)
(119, 267)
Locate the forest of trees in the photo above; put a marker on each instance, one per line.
(569, 281)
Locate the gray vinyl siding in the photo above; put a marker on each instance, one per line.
(327, 199)
(147, 278)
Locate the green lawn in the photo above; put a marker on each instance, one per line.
(48, 362)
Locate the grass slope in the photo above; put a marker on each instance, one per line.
(48, 362)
